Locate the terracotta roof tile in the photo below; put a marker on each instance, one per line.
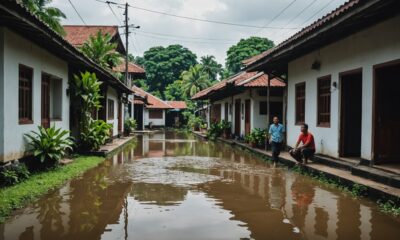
(132, 68)
(153, 101)
(77, 34)
(244, 79)
(177, 104)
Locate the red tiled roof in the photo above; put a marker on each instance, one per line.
(138, 101)
(132, 68)
(242, 79)
(177, 104)
(153, 101)
(78, 34)
(344, 8)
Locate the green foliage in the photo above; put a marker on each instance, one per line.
(389, 207)
(95, 134)
(101, 50)
(211, 67)
(195, 122)
(165, 64)
(257, 136)
(194, 80)
(86, 89)
(225, 125)
(174, 91)
(49, 145)
(13, 174)
(245, 49)
(214, 131)
(142, 83)
(50, 15)
(20, 195)
(130, 125)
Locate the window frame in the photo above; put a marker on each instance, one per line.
(296, 98)
(262, 106)
(28, 118)
(320, 96)
(110, 109)
(152, 111)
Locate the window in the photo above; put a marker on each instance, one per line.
(110, 111)
(226, 111)
(263, 107)
(300, 102)
(155, 114)
(25, 95)
(56, 98)
(324, 101)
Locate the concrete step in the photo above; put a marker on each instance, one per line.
(336, 163)
(377, 175)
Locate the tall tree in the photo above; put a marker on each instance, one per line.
(101, 50)
(165, 64)
(211, 67)
(245, 49)
(50, 15)
(194, 80)
(174, 91)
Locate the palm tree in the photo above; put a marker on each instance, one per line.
(50, 15)
(211, 67)
(101, 50)
(194, 80)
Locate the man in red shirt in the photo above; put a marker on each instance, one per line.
(307, 149)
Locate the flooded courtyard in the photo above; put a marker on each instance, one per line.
(175, 186)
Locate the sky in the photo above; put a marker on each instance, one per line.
(281, 19)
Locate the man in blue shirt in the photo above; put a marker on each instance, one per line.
(276, 131)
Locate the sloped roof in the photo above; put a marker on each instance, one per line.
(177, 104)
(132, 68)
(77, 35)
(335, 16)
(242, 79)
(153, 101)
(17, 17)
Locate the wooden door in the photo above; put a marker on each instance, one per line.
(45, 101)
(247, 117)
(350, 114)
(386, 113)
(237, 117)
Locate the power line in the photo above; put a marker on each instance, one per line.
(186, 37)
(276, 16)
(193, 18)
(77, 12)
(115, 15)
(174, 39)
(295, 17)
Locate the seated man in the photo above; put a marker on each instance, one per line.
(307, 150)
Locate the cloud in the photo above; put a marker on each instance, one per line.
(200, 37)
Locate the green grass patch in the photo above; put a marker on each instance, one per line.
(20, 195)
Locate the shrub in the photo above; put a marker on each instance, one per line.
(130, 125)
(95, 135)
(256, 136)
(215, 131)
(195, 122)
(49, 145)
(13, 174)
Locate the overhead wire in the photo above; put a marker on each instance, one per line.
(76, 11)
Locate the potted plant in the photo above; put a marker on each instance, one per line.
(130, 126)
(226, 128)
(203, 127)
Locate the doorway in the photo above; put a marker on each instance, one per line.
(237, 117)
(247, 117)
(138, 115)
(350, 113)
(386, 130)
(45, 101)
(120, 120)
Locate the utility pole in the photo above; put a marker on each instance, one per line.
(126, 43)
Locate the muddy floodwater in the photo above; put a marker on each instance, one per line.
(175, 186)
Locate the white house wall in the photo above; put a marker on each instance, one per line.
(2, 92)
(156, 121)
(375, 45)
(17, 50)
(113, 95)
(256, 119)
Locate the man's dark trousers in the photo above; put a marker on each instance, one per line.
(276, 150)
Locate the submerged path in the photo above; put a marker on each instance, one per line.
(174, 186)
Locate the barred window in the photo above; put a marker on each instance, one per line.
(324, 101)
(300, 102)
(25, 94)
(110, 114)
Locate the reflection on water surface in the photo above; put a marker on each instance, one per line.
(172, 186)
